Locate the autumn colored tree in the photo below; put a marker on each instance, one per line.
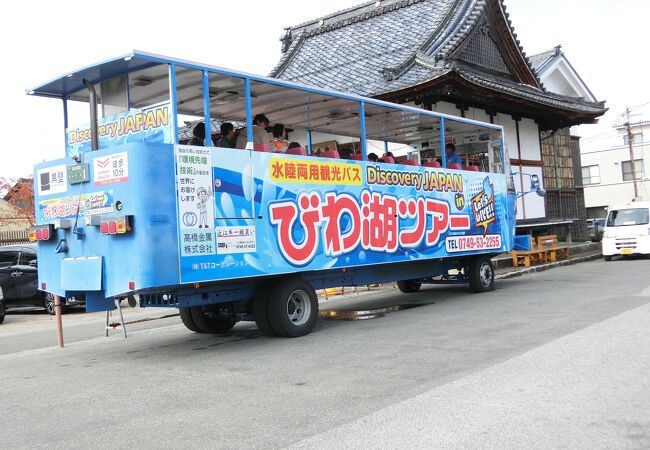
(20, 195)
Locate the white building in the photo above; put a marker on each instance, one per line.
(607, 169)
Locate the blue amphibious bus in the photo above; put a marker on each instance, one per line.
(230, 234)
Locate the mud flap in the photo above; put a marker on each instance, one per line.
(84, 274)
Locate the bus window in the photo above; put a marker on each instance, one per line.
(411, 137)
(323, 124)
(478, 147)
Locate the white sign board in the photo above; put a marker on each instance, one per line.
(52, 180)
(111, 169)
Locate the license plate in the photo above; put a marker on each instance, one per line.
(626, 251)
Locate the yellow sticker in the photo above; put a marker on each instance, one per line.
(289, 170)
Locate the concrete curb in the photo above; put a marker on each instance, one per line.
(544, 267)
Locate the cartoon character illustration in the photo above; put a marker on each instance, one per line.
(203, 194)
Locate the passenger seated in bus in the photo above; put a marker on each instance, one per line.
(198, 134)
(260, 136)
(294, 145)
(279, 143)
(452, 156)
(227, 136)
(373, 157)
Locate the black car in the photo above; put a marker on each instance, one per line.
(2, 308)
(19, 279)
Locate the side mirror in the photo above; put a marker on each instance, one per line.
(535, 186)
(534, 182)
(33, 263)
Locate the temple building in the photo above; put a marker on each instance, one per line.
(459, 57)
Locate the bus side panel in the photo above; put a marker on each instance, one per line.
(317, 213)
(134, 180)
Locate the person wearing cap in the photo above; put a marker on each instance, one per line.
(260, 136)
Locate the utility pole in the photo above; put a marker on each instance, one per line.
(630, 145)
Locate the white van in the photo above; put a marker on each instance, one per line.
(627, 230)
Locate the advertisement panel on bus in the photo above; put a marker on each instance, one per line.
(243, 214)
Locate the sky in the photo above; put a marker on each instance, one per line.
(605, 41)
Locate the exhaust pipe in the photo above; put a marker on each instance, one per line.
(93, 114)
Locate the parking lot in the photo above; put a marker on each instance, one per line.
(552, 359)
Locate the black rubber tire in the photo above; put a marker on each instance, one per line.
(607, 257)
(3, 311)
(260, 306)
(282, 298)
(186, 317)
(409, 286)
(48, 304)
(481, 274)
(207, 324)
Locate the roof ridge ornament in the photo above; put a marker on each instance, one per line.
(286, 40)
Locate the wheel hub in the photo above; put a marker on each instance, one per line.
(298, 307)
(485, 274)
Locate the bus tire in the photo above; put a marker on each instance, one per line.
(207, 324)
(408, 286)
(608, 257)
(186, 317)
(260, 307)
(292, 308)
(481, 274)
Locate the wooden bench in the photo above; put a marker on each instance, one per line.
(550, 244)
(529, 257)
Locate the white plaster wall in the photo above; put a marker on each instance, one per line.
(510, 132)
(530, 206)
(529, 140)
(446, 108)
(477, 114)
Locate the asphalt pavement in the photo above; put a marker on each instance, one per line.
(551, 359)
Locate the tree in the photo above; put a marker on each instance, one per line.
(19, 193)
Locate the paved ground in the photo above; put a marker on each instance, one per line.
(553, 359)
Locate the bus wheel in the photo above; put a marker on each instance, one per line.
(186, 317)
(608, 257)
(207, 324)
(260, 308)
(409, 286)
(481, 274)
(292, 308)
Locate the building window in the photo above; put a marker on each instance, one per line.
(557, 155)
(637, 138)
(627, 170)
(591, 175)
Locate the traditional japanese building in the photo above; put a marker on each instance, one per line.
(459, 57)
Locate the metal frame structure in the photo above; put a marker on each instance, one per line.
(69, 84)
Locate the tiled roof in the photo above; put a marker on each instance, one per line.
(541, 59)
(381, 47)
(509, 87)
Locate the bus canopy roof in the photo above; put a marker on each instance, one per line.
(294, 104)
